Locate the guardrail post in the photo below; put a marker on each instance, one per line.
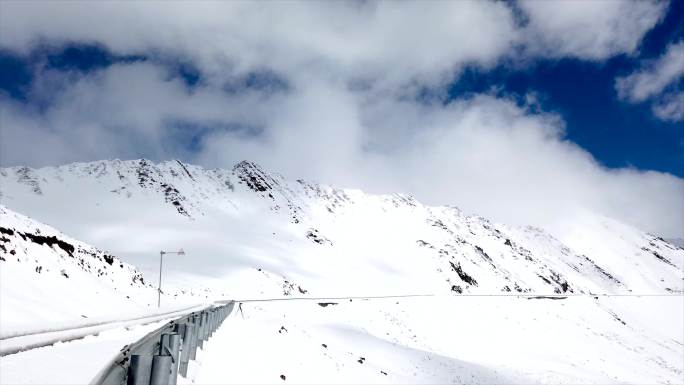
(182, 330)
(200, 332)
(205, 326)
(139, 370)
(161, 370)
(208, 330)
(171, 344)
(188, 334)
(195, 336)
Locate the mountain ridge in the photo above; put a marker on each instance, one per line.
(469, 253)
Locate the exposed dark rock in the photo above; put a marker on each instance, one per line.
(173, 196)
(314, 236)
(544, 279)
(462, 274)
(51, 241)
(326, 304)
(421, 242)
(483, 254)
(253, 176)
(659, 257)
(26, 176)
(563, 285)
(601, 270)
(439, 224)
(6, 231)
(185, 169)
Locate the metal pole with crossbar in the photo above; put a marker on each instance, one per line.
(161, 262)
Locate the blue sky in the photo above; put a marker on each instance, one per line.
(618, 134)
(474, 103)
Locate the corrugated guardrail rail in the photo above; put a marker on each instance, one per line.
(160, 356)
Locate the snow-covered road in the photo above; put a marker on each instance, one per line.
(15, 341)
(74, 362)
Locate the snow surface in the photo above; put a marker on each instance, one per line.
(249, 233)
(459, 340)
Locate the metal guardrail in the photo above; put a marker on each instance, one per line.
(161, 355)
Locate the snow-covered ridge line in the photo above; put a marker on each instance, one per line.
(20, 232)
(246, 214)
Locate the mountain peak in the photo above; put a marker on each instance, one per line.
(255, 177)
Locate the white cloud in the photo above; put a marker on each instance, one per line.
(393, 42)
(658, 81)
(348, 115)
(595, 30)
(670, 107)
(654, 77)
(488, 155)
(380, 41)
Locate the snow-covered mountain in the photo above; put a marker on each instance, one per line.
(231, 221)
(250, 233)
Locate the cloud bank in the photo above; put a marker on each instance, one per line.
(347, 93)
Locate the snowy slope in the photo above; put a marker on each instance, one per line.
(50, 281)
(449, 339)
(249, 233)
(234, 221)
